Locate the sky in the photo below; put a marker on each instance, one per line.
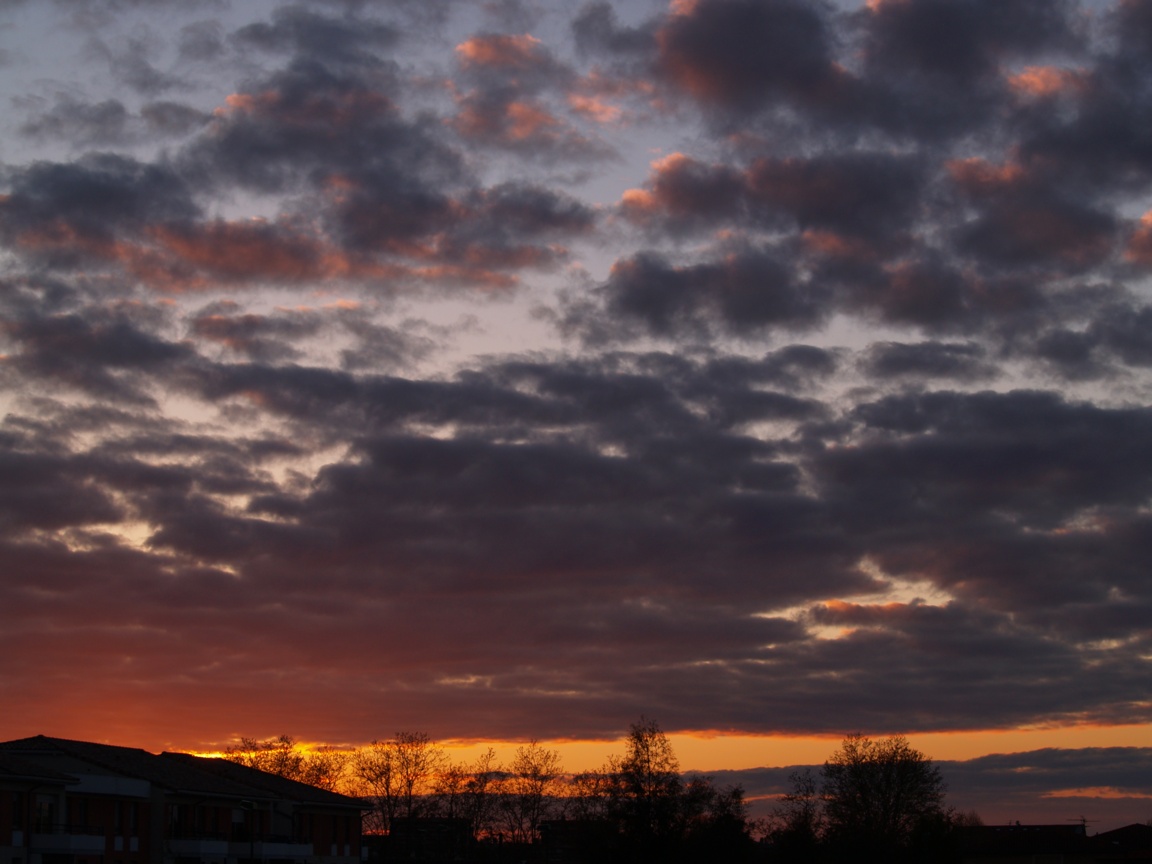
(503, 370)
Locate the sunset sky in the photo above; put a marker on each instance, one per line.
(513, 369)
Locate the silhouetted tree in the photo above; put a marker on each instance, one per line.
(398, 775)
(662, 817)
(450, 790)
(480, 796)
(473, 792)
(587, 796)
(323, 767)
(529, 791)
(883, 800)
(796, 826)
(714, 823)
(374, 778)
(645, 791)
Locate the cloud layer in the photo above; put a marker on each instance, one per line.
(764, 366)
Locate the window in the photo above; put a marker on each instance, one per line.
(78, 812)
(45, 812)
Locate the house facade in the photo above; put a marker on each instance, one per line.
(77, 802)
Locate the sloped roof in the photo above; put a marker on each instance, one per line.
(128, 762)
(175, 772)
(15, 768)
(1131, 837)
(269, 784)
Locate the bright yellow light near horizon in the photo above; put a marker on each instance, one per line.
(707, 751)
(721, 751)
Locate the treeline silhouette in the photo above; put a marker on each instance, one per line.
(873, 801)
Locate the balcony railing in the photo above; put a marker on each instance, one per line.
(65, 838)
(239, 835)
(200, 846)
(197, 834)
(270, 846)
(42, 827)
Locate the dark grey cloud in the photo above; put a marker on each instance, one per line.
(685, 509)
(514, 16)
(744, 293)
(873, 196)
(294, 29)
(936, 66)
(745, 53)
(82, 123)
(597, 30)
(41, 492)
(109, 123)
(962, 361)
(130, 62)
(172, 118)
(261, 338)
(963, 40)
(1026, 228)
(201, 41)
(71, 214)
(384, 348)
(94, 350)
(303, 121)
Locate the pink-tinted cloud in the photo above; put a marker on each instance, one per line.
(595, 107)
(1040, 82)
(1024, 222)
(1139, 249)
(502, 51)
(682, 188)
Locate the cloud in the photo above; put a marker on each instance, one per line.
(963, 361)
(739, 52)
(335, 42)
(201, 41)
(259, 337)
(960, 39)
(82, 123)
(130, 64)
(1009, 788)
(597, 30)
(746, 291)
(771, 367)
(68, 213)
(517, 98)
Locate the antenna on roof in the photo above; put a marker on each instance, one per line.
(1084, 822)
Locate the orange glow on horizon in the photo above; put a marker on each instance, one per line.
(726, 751)
(703, 750)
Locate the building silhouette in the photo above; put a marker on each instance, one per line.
(76, 802)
